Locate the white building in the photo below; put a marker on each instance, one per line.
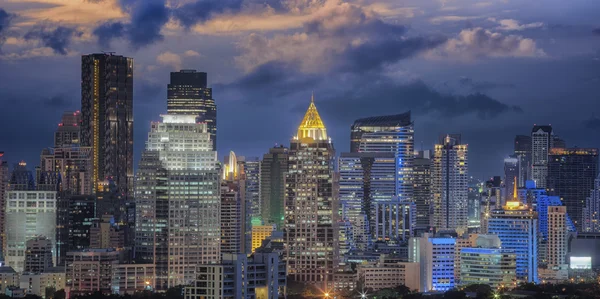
(541, 142)
(449, 184)
(486, 263)
(132, 278)
(557, 268)
(29, 214)
(8, 277)
(390, 274)
(436, 261)
(178, 202)
(90, 270)
(37, 283)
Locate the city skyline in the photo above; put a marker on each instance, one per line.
(556, 64)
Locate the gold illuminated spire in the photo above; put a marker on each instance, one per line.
(312, 126)
(514, 203)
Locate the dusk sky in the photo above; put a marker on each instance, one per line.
(486, 69)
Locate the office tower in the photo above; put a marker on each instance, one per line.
(21, 179)
(523, 155)
(487, 263)
(556, 254)
(474, 205)
(385, 134)
(394, 219)
(422, 189)
(571, 175)
(29, 214)
(105, 233)
(231, 169)
(273, 169)
(68, 132)
(591, 214)
(262, 275)
(435, 256)
(90, 270)
(365, 178)
(517, 227)
(4, 179)
(541, 143)
(178, 224)
(511, 176)
(232, 235)
(449, 184)
(107, 117)
(309, 218)
(259, 234)
(38, 255)
(73, 165)
(188, 94)
(82, 213)
(251, 178)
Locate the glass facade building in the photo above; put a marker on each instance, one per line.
(436, 261)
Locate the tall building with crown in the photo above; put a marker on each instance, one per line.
(310, 235)
(542, 138)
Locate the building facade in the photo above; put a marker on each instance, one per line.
(435, 256)
(523, 155)
(132, 278)
(38, 255)
(232, 235)
(178, 204)
(571, 175)
(310, 236)
(385, 274)
(188, 94)
(492, 266)
(29, 214)
(394, 219)
(422, 189)
(449, 184)
(273, 170)
(90, 270)
(511, 176)
(541, 143)
(591, 214)
(107, 117)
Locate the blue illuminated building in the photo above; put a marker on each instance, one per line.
(436, 261)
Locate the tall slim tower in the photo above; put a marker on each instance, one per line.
(571, 175)
(273, 169)
(541, 143)
(523, 155)
(4, 177)
(449, 184)
(178, 202)
(310, 235)
(107, 117)
(591, 213)
(188, 94)
(511, 176)
(422, 188)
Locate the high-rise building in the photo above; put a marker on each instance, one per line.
(571, 175)
(259, 234)
(90, 270)
(178, 224)
(21, 178)
(273, 169)
(188, 94)
(105, 233)
(365, 178)
(107, 117)
(435, 256)
(394, 219)
(523, 155)
(517, 227)
(475, 206)
(556, 253)
(591, 214)
(29, 214)
(542, 139)
(388, 134)
(232, 235)
(38, 255)
(511, 176)
(251, 177)
(82, 213)
(4, 179)
(449, 184)
(422, 189)
(73, 166)
(69, 130)
(487, 263)
(310, 236)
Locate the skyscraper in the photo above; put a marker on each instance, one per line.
(310, 236)
(4, 178)
(232, 235)
(541, 143)
(390, 134)
(107, 117)
(422, 188)
(571, 175)
(449, 184)
(517, 227)
(178, 224)
(523, 155)
(273, 169)
(435, 256)
(511, 176)
(189, 94)
(556, 253)
(68, 132)
(591, 214)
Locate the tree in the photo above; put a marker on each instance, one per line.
(175, 292)
(455, 294)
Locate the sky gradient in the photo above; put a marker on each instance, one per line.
(486, 69)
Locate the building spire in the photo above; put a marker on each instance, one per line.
(312, 126)
(515, 197)
(312, 97)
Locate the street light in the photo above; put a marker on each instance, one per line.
(326, 295)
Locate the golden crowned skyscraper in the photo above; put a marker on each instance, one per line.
(310, 237)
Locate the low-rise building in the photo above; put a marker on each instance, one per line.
(39, 283)
(259, 234)
(390, 273)
(131, 278)
(8, 277)
(90, 270)
(345, 280)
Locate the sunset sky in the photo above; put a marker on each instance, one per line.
(486, 69)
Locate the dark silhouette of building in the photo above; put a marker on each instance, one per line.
(523, 155)
(188, 93)
(273, 169)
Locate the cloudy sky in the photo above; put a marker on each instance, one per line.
(486, 69)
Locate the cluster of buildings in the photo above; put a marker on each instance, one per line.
(378, 216)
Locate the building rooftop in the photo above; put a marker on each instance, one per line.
(7, 269)
(397, 120)
(547, 129)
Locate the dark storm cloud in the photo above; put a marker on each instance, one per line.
(592, 123)
(5, 19)
(481, 86)
(199, 11)
(58, 38)
(596, 31)
(147, 19)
